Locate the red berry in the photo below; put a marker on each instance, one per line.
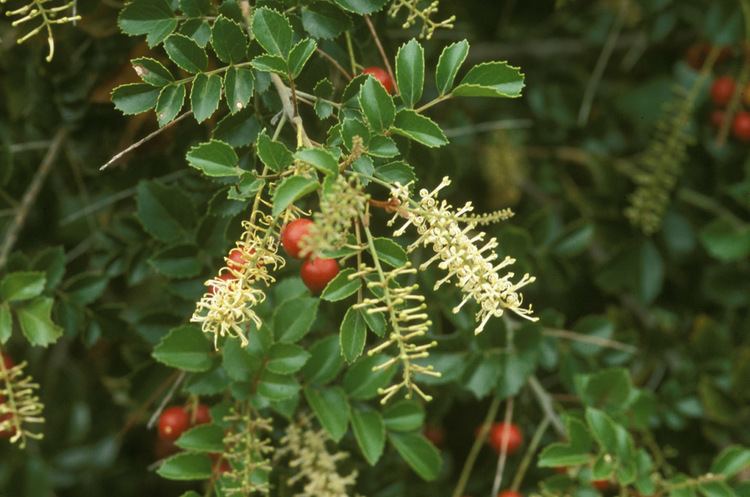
(8, 362)
(435, 434)
(717, 118)
(601, 485)
(741, 126)
(316, 273)
(202, 415)
(292, 234)
(500, 432)
(509, 493)
(236, 260)
(223, 276)
(381, 75)
(173, 422)
(722, 90)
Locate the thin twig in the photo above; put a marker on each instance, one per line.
(30, 196)
(504, 440)
(601, 65)
(143, 140)
(28, 146)
(383, 55)
(533, 445)
(594, 340)
(335, 63)
(545, 402)
(165, 400)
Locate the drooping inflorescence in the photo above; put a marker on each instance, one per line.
(19, 404)
(47, 14)
(469, 259)
(415, 11)
(248, 451)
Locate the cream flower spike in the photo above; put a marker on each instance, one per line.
(19, 404)
(227, 308)
(469, 259)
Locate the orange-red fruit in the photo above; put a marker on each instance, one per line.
(236, 260)
(509, 493)
(741, 126)
(500, 431)
(316, 273)
(722, 90)
(381, 75)
(292, 234)
(601, 485)
(173, 422)
(224, 276)
(8, 362)
(435, 434)
(202, 415)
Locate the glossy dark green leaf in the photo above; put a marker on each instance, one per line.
(450, 61)
(293, 318)
(202, 438)
(179, 261)
(331, 408)
(21, 285)
(419, 128)
(300, 54)
(239, 84)
(214, 158)
(229, 41)
(390, 252)
(274, 386)
(273, 154)
(170, 102)
(410, 72)
(320, 158)
(291, 189)
(369, 431)
(135, 98)
(325, 361)
(286, 358)
(377, 105)
(361, 7)
(352, 334)
(323, 20)
(491, 79)
(186, 466)
(205, 96)
(362, 383)
(186, 348)
(186, 53)
(341, 287)
(272, 31)
(404, 415)
(152, 71)
(35, 318)
(418, 453)
(153, 18)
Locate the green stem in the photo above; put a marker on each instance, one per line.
(533, 445)
(441, 98)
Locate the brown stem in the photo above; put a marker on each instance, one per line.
(383, 55)
(335, 63)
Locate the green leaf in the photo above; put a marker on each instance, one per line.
(369, 431)
(362, 383)
(273, 154)
(323, 90)
(286, 358)
(270, 63)
(396, 172)
(229, 41)
(352, 127)
(238, 130)
(491, 79)
(293, 319)
(341, 287)
(725, 240)
(323, 20)
(290, 190)
(237, 361)
(300, 54)
(419, 128)
(352, 334)
(603, 428)
(376, 322)
(152, 71)
(214, 158)
(404, 415)
(637, 267)
(202, 438)
(450, 61)
(186, 53)
(361, 7)
(390, 252)
(274, 386)
(205, 96)
(716, 489)
(6, 322)
(320, 159)
(164, 211)
(186, 466)
(382, 146)
(135, 98)
(376, 104)
(198, 30)
(331, 408)
(418, 453)
(608, 389)
(22, 285)
(272, 31)
(179, 261)
(153, 18)
(731, 461)
(36, 322)
(573, 453)
(239, 84)
(186, 348)
(325, 361)
(169, 104)
(410, 72)
(195, 8)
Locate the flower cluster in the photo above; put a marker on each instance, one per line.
(405, 311)
(468, 258)
(247, 450)
(226, 309)
(415, 12)
(47, 14)
(315, 466)
(19, 404)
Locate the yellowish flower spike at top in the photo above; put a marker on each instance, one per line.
(226, 309)
(468, 258)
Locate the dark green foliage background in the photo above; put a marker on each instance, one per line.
(681, 296)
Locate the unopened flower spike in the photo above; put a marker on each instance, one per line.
(248, 451)
(227, 308)
(19, 404)
(415, 11)
(467, 256)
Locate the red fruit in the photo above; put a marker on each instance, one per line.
(601, 485)
(8, 362)
(316, 273)
(292, 234)
(722, 90)
(173, 422)
(741, 126)
(202, 415)
(236, 260)
(223, 276)
(435, 434)
(509, 493)
(381, 75)
(717, 118)
(500, 432)
(219, 464)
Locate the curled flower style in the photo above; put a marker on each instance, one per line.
(228, 305)
(315, 465)
(340, 206)
(415, 12)
(405, 311)
(19, 404)
(468, 258)
(248, 452)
